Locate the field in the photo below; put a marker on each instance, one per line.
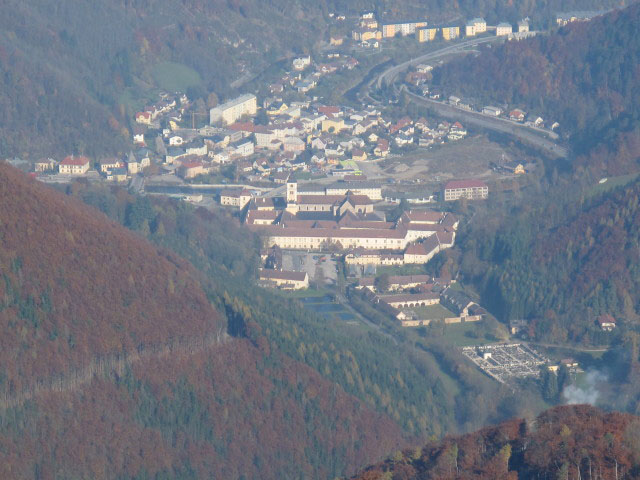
(611, 183)
(175, 77)
(465, 334)
(417, 269)
(433, 312)
(466, 158)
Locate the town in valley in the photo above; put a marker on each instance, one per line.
(351, 197)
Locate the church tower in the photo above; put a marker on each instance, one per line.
(292, 192)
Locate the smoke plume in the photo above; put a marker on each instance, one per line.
(587, 392)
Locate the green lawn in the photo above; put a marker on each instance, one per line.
(175, 76)
(612, 182)
(433, 312)
(466, 334)
(417, 269)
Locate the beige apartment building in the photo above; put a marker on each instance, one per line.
(469, 189)
(426, 34)
(450, 33)
(235, 198)
(233, 110)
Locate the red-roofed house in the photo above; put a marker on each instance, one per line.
(469, 189)
(330, 111)
(143, 117)
(606, 322)
(191, 169)
(517, 115)
(74, 165)
(382, 148)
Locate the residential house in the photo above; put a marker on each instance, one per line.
(73, 165)
(382, 148)
(143, 118)
(517, 115)
(492, 111)
(235, 198)
(110, 164)
(118, 175)
(358, 155)
(138, 135)
(606, 322)
(191, 169)
(293, 144)
(244, 149)
(301, 63)
(503, 29)
(305, 85)
(45, 165)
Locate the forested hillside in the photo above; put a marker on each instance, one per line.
(561, 264)
(114, 363)
(565, 442)
(76, 286)
(74, 72)
(584, 76)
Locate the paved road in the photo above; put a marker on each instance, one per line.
(390, 75)
(523, 133)
(529, 135)
(137, 184)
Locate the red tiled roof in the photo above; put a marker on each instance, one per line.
(423, 216)
(269, 274)
(409, 297)
(606, 318)
(445, 238)
(329, 110)
(242, 127)
(282, 231)
(331, 199)
(427, 246)
(78, 161)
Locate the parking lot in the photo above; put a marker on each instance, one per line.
(316, 265)
(506, 363)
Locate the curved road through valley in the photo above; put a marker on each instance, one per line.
(525, 134)
(389, 76)
(528, 135)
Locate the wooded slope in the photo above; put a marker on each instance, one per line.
(565, 442)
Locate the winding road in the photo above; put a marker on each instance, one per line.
(535, 137)
(528, 135)
(389, 76)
